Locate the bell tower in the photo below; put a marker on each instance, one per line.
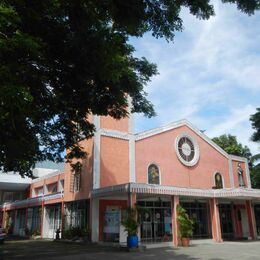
(124, 125)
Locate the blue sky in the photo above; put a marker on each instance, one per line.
(210, 75)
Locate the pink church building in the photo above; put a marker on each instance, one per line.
(155, 169)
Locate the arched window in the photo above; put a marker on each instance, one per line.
(153, 174)
(218, 181)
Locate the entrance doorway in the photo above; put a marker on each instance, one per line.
(52, 220)
(156, 222)
(20, 225)
(257, 218)
(198, 211)
(225, 214)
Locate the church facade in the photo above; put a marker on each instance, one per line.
(156, 170)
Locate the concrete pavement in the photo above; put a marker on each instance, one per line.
(51, 250)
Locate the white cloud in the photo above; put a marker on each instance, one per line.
(210, 75)
(237, 123)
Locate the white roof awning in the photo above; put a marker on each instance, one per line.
(236, 193)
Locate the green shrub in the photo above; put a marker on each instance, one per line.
(75, 232)
(185, 224)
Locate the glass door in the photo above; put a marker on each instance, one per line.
(54, 220)
(198, 211)
(257, 218)
(147, 225)
(156, 221)
(226, 221)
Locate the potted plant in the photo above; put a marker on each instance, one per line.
(185, 226)
(131, 224)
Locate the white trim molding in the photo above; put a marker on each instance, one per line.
(96, 122)
(237, 158)
(114, 134)
(231, 173)
(96, 152)
(131, 151)
(248, 175)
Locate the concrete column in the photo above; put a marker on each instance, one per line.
(234, 220)
(42, 219)
(174, 201)
(251, 219)
(131, 200)
(62, 218)
(94, 219)
(215, 220)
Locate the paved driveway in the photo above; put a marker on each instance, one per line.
(51, 250)
(232, 251)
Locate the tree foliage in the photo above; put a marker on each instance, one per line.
(62, 60)
(230, 145)
(255, 120)
(255, 171)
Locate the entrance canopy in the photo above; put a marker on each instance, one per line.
(234, 193)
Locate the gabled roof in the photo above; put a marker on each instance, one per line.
(184, 122)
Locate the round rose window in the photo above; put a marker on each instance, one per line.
(187, 150)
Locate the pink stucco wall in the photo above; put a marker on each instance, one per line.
(46, 181)
(160, 149)
(111, 123)
(114, 162)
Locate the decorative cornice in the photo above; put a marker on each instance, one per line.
(114, 134)
(180, 191)
(159, 130)
(237, 158)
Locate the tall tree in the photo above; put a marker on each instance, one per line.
(230, 144)
(255, 120)
(62, 60)
(255, 171)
